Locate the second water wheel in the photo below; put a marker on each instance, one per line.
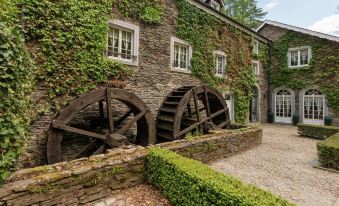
(188, 109)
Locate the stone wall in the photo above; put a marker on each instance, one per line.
(152, 79)
(89, 180)
(274, 33)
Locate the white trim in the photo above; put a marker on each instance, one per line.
(258, 104)
(174, 41)
(258, 64)
(224, 55)
(200, 5)
(299, 49)
(301, 107)
(135, 43)
(298, 29)
(231, 106)
(274, 104)
(255, 49)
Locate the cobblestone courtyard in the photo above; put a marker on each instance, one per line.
(283, 165)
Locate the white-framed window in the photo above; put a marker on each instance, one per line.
(256, 68)
(123, 42)
(220, 62)
(255, 46)
(181, 55)
(299, 56)
(215, 5)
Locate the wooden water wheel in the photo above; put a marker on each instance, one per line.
(188, 109)
(106, 129)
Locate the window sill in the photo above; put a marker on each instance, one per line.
(186, 71)
(123, 61)
(220, 76)
(299, 67)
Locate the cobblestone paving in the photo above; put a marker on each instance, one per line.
(282, 165)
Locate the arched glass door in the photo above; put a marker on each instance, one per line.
(313, 106)
(283, 106)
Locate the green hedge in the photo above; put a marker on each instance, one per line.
(317, 131)
(328, 152)
(189, 182)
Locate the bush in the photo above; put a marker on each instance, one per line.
(189, 182)
(317, 131)
(328, 152)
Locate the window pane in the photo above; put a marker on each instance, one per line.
(176, 56)
(294, 58)
(304, 57)
(183, 57)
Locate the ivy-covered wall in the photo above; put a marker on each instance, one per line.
(67, 39)
(323, 70)
(15, 86)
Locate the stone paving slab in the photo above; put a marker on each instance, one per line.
(283, 165)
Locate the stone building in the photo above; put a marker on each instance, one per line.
(305, 74)
(161, 62)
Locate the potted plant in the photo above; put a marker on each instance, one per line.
(295, 119)
(328, 120)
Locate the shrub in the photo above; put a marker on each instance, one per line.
(317, 131)
(328, 152)
(189, 182)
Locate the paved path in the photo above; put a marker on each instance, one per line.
(282, 165)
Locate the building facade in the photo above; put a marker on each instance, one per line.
(304, 74)
(205, 47)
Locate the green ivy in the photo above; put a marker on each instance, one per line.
(15, 86)
(67, 40)
(322, 70)
(207, 34)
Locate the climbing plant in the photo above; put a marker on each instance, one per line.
(68, 39)
(322, 70)
(15, 86)
(207, 34)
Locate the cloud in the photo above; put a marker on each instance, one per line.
(328, 25)
(271, 5)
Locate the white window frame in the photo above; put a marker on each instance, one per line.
(121, 25)
(215, 5)
(257, 72)
(176, 41)
(224, 56)
(298, 49)
(255, 46)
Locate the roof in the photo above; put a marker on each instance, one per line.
(207, 8)
(298, 29)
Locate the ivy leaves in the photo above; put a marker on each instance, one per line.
(322, 70)
(207, 34)
(15, 86)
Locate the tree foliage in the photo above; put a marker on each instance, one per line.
(245, 11)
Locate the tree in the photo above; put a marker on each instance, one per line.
(245, 11)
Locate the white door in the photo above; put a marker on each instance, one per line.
(283, 106)
(229, 102)
(313, 106)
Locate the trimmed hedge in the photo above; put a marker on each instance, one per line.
(328, 152)
(317, 131)
(189, 182)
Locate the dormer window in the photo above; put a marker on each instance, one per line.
(215, 5)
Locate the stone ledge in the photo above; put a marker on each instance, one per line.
(88, 180)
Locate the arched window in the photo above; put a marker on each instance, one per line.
(313, 106)
(283, 106)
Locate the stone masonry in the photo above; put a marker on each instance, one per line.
(152, 79)
(89, 180)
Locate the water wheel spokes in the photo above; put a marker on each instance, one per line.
(135, 126)
(188, 109)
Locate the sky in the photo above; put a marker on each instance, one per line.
(316, 15)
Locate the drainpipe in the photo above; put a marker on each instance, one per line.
(269, 108)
